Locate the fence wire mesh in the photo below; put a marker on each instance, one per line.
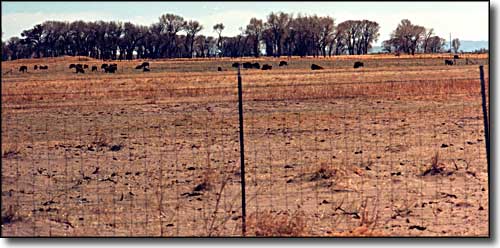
(350, 157)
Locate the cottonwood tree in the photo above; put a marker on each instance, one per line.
(218, 28)
(254, 30)
(407, 37)
(455, 43)
(192, 28)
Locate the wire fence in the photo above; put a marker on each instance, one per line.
(390, 158)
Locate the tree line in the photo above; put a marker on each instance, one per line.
(280, 34)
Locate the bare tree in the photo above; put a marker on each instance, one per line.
(218, 28)
(170, 25)
(192, 28)
(455, 43)
(254, 30)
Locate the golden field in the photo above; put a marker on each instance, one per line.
(395, 148)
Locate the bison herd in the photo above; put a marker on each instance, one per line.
(112, 68)
(249, 65)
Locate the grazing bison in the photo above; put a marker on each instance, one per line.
(256, 65)
(112, 68)
(456, 56)
(143, 65)
(247, 65)
(94, 68)
(79, 69)
(358, 64)
(316, 67)
(85, 66)
(35, 67)
(448, 62)
(23, 68)
(266, 67)
(283, 63)
(236, 65)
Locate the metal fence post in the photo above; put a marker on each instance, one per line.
(485, 115)
(242, 155)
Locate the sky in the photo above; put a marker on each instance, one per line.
(464, 20)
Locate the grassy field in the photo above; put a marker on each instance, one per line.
(392, 149)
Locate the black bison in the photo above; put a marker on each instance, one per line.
(94, 68)
(85, 66)
(103, 67)
(267, 67)
(247, 65)
(316, 67)
(143, 65)
(35, 67)
(448, 62)
(23, 68)
(145, 69)
(79, 69)
(236, 65)
(219, 68)
(43, 67)
(358, 64)
(111, 68)
(456, 56)
(283, 63)
(256, 65)
(71, 66)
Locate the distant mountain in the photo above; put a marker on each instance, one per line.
(470, 45)
(465, 45)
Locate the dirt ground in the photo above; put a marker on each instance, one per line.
(392, 149)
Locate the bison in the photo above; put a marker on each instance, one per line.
(43, 67)
(79, 69)
(23, 68)
(71, 66)
(236, 65)
(256, 65)
(143, 65)
(316, 67)
(112, 68)
(358, 64)
(456, 56)
(85, 66)
(448, 62)
(219, 68)
(266, 67)
(35, 67)
(247, 65)
(283, 63)
(94, 68)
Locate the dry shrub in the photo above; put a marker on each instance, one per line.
(10, 215)
(369, 218)
(281, 224)
(361, 231)
(436, 167)
(10, 150)
(323, 172)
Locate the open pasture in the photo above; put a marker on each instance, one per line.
(395, 148)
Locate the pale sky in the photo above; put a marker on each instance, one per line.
(464, 20)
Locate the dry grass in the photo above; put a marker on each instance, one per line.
(278, 224)
(169, 142)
